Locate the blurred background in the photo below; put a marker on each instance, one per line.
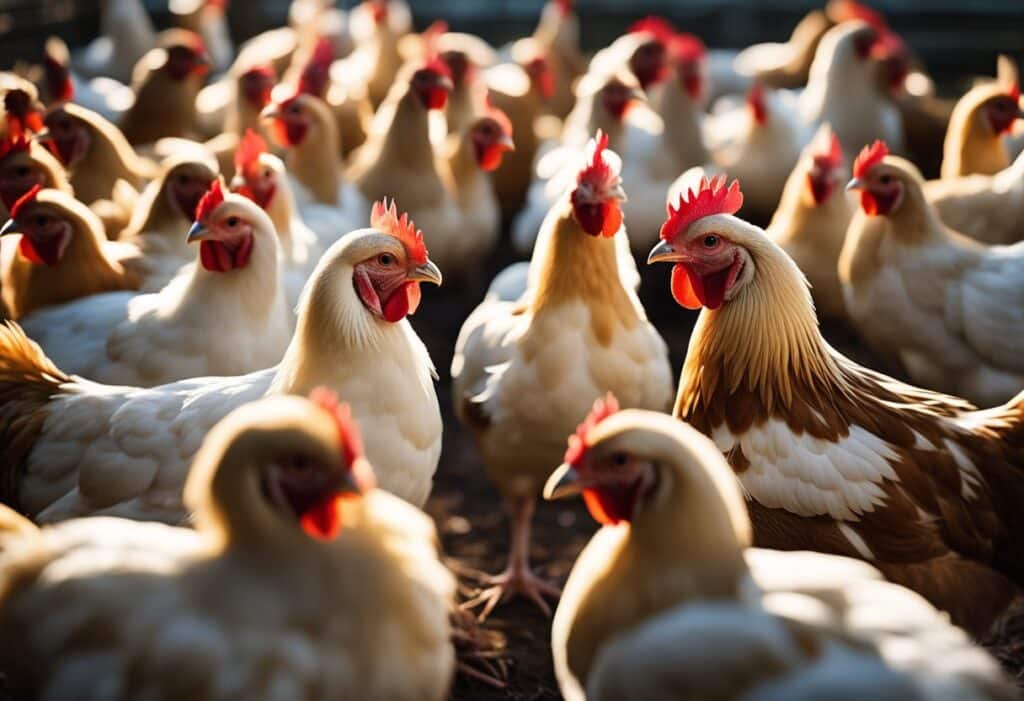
(954, 37)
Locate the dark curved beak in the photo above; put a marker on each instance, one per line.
(662, 252)
(197, 232)
(9, 227)
(855, 184)
(428, 272)
(563, 482)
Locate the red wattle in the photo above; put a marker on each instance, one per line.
(683, 287)
(868, 203)
(29, 251)
(612, 219)
(323, 520)
(218, 257)
(437, 99)
(402, 302)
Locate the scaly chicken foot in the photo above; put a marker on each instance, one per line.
(518, 577)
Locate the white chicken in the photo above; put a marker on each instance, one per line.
(668, 601)
(126, 34)
(523, 369)
(335, 587)
(104, 450)
(225, 316)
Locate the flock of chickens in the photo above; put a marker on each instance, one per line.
(217, 425)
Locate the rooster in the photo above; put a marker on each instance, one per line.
(164, 210)
(948, 309)
(226, 316)
(261, 176)
(811, 221)
(525, 371)
(61, 255)
(974, 140)
(831, 456)
(305, 127)
(290, 523)
(166, 82)
(988, 208)
(668, 601)
(124, 451)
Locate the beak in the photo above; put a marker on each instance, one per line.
(507, 143)
(428, 272)
(563, 482)
(347, 484)
(43, 137)
(9, 227)
(271, 111)
(855, 184)
(445, 82)
(197, 232)
(662, 252)
(638, 95)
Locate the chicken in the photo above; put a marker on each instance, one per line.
(558, 34)
(126, 34)
(208, 19)
(305, 127)
(974, 140)
(144, 604)
(226, 316)
(25, 164)
(377, 26)
(104, 170)
(786, 64)
(22, 110)
(988, 208)
(261, 176)
(61, 255)
(944, 307)
(166, 82)
(642, 50)
(811, 221)
(668, 601)
(680, 106)
(845, 89)
(521, 90)
(105, 96)
(252, 93)
(525, 371)
(831, 456)
(124, 451)
(163, 214)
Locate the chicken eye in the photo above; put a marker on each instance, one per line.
(710, 241)
(266, 173)
(885, 179)
(386, 259)
(182, 179)
(22, 171)
(42, 221)
(619, 459)
(232, 222)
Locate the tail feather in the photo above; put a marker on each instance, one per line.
(28, 381)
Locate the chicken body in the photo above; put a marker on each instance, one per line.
(948, 309)
(103, 450)
(974, 138)
(126, 34)
(667, 601)
(142, 609)
(206, 322)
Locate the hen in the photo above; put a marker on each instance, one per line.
(74, 448)
(61, 255)
(351, 598)
(558, 33)
(974, 140)
(668, 601)
(525, 371)
(945, 307)
(831, 456)
(126, 34)
(24, 164)
(226, 316)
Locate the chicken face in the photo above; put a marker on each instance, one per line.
(894, 59)
(649, 63)
(184, 61)
(491, 138)
(256, 85)
(185, 186)
(881, 184)
(756, 104)
(254, 178)
(688, 53)
(19, 173)
(541, 77)
(431, 84)
(823, 171)
(289, 121)
(225, 234)
(618, 98)
(24, 113)
(596, 201)
(1001, 112)
(459, 65)
(45, 232)
(68, 138)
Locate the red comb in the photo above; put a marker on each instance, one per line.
(869, 157)
(755, 100)
(432, 32)
(660, 27)
(712, 197)
(210, 201)
(249, 150)
(22, 115)
(603, 408)
(888, 45)
(386, 219)
(687, 47)
(29, 196)
(435, 64)
(833, 156)
(14, 143)
(597, 170)
(1014, 91)
(564, 6)
(848, 10)
(351, 439)
(379, 9)
(222, 4)
(316, 72)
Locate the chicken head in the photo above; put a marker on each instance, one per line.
(45, 233)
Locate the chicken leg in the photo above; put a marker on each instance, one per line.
(517, 577)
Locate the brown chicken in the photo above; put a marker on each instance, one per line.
(62, 254)
(832, 456)
(974, 140)
(166, 82)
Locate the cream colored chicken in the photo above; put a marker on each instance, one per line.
(226, 316)
(811, 221)
(525, 371)
(558, 33)
(77, 448)
(668, 601)
(948, 309)
(988, 208)
(974, 139)
(335, 588)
